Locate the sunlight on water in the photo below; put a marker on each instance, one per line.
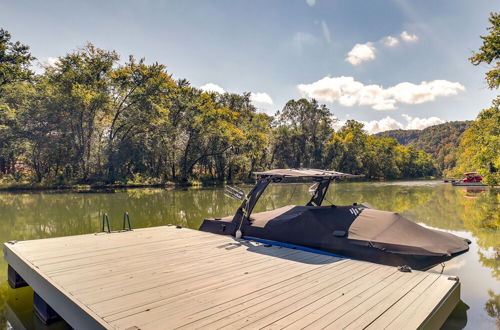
(470, 213)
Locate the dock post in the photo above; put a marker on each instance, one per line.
(15, 280)
(43, 311)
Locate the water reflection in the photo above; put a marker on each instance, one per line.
(492, 306)
(37, 215)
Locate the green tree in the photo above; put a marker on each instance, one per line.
(15, 60)
(304, 127)
(480, 144)
(138, 102)
(350, 143)
(81, 96)
(489, 52)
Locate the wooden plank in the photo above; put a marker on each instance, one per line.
(295, 297)
(205, 302)
(159, 293)
(132, 248)
(82, 241)
(173, 257)
(204, 307)
(212, 316)
(425, 305)
(363, 311)
(66, 306)
(180, 278)
(120, 272)
(441, 311)
(391, 313)
(362, 314)
(200, 273)
(330, 306)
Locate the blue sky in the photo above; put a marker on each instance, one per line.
(336, 51)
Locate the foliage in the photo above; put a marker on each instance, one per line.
(351, 149)
(490, 52)
(480, 145)
(91, 118)
(492, 307)
(303, 129)
(15, 60)
(441, 141)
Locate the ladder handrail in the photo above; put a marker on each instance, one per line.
(105, 220)
(126, 217)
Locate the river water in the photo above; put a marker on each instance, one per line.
(471, 213)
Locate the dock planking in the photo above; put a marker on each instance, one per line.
(171, 278)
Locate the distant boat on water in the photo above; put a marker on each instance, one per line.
(470, 179)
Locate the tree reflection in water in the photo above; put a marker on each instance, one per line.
(38, 215)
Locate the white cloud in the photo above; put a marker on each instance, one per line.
(361, 53)
(367, 51)
(390, 41)
(326, 32)
(261, 98)
(384, 124)
(211, 87)
(388, 123)
(311, 3)
(408, 37)
(49, 61)
(262, 101)
(349, 92)
(338, 123)
(421, 123)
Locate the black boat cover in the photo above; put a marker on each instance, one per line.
(352, 231)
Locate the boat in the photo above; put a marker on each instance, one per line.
(356, 231)
(471, 179)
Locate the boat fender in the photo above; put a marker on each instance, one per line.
(339, 233)
(454, 278)
(404, 269)
(238, 234)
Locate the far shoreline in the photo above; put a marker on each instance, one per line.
(110, 188)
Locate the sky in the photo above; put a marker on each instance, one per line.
(390, 64)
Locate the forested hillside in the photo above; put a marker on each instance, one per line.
(479, 148)
(439, 140)
(92, 118)
(460, 147)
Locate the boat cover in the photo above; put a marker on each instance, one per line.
(353, 231)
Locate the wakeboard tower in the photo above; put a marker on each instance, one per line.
(357, 231)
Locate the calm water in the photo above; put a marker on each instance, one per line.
(470, 213)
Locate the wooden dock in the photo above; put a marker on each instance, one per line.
(170, 278)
